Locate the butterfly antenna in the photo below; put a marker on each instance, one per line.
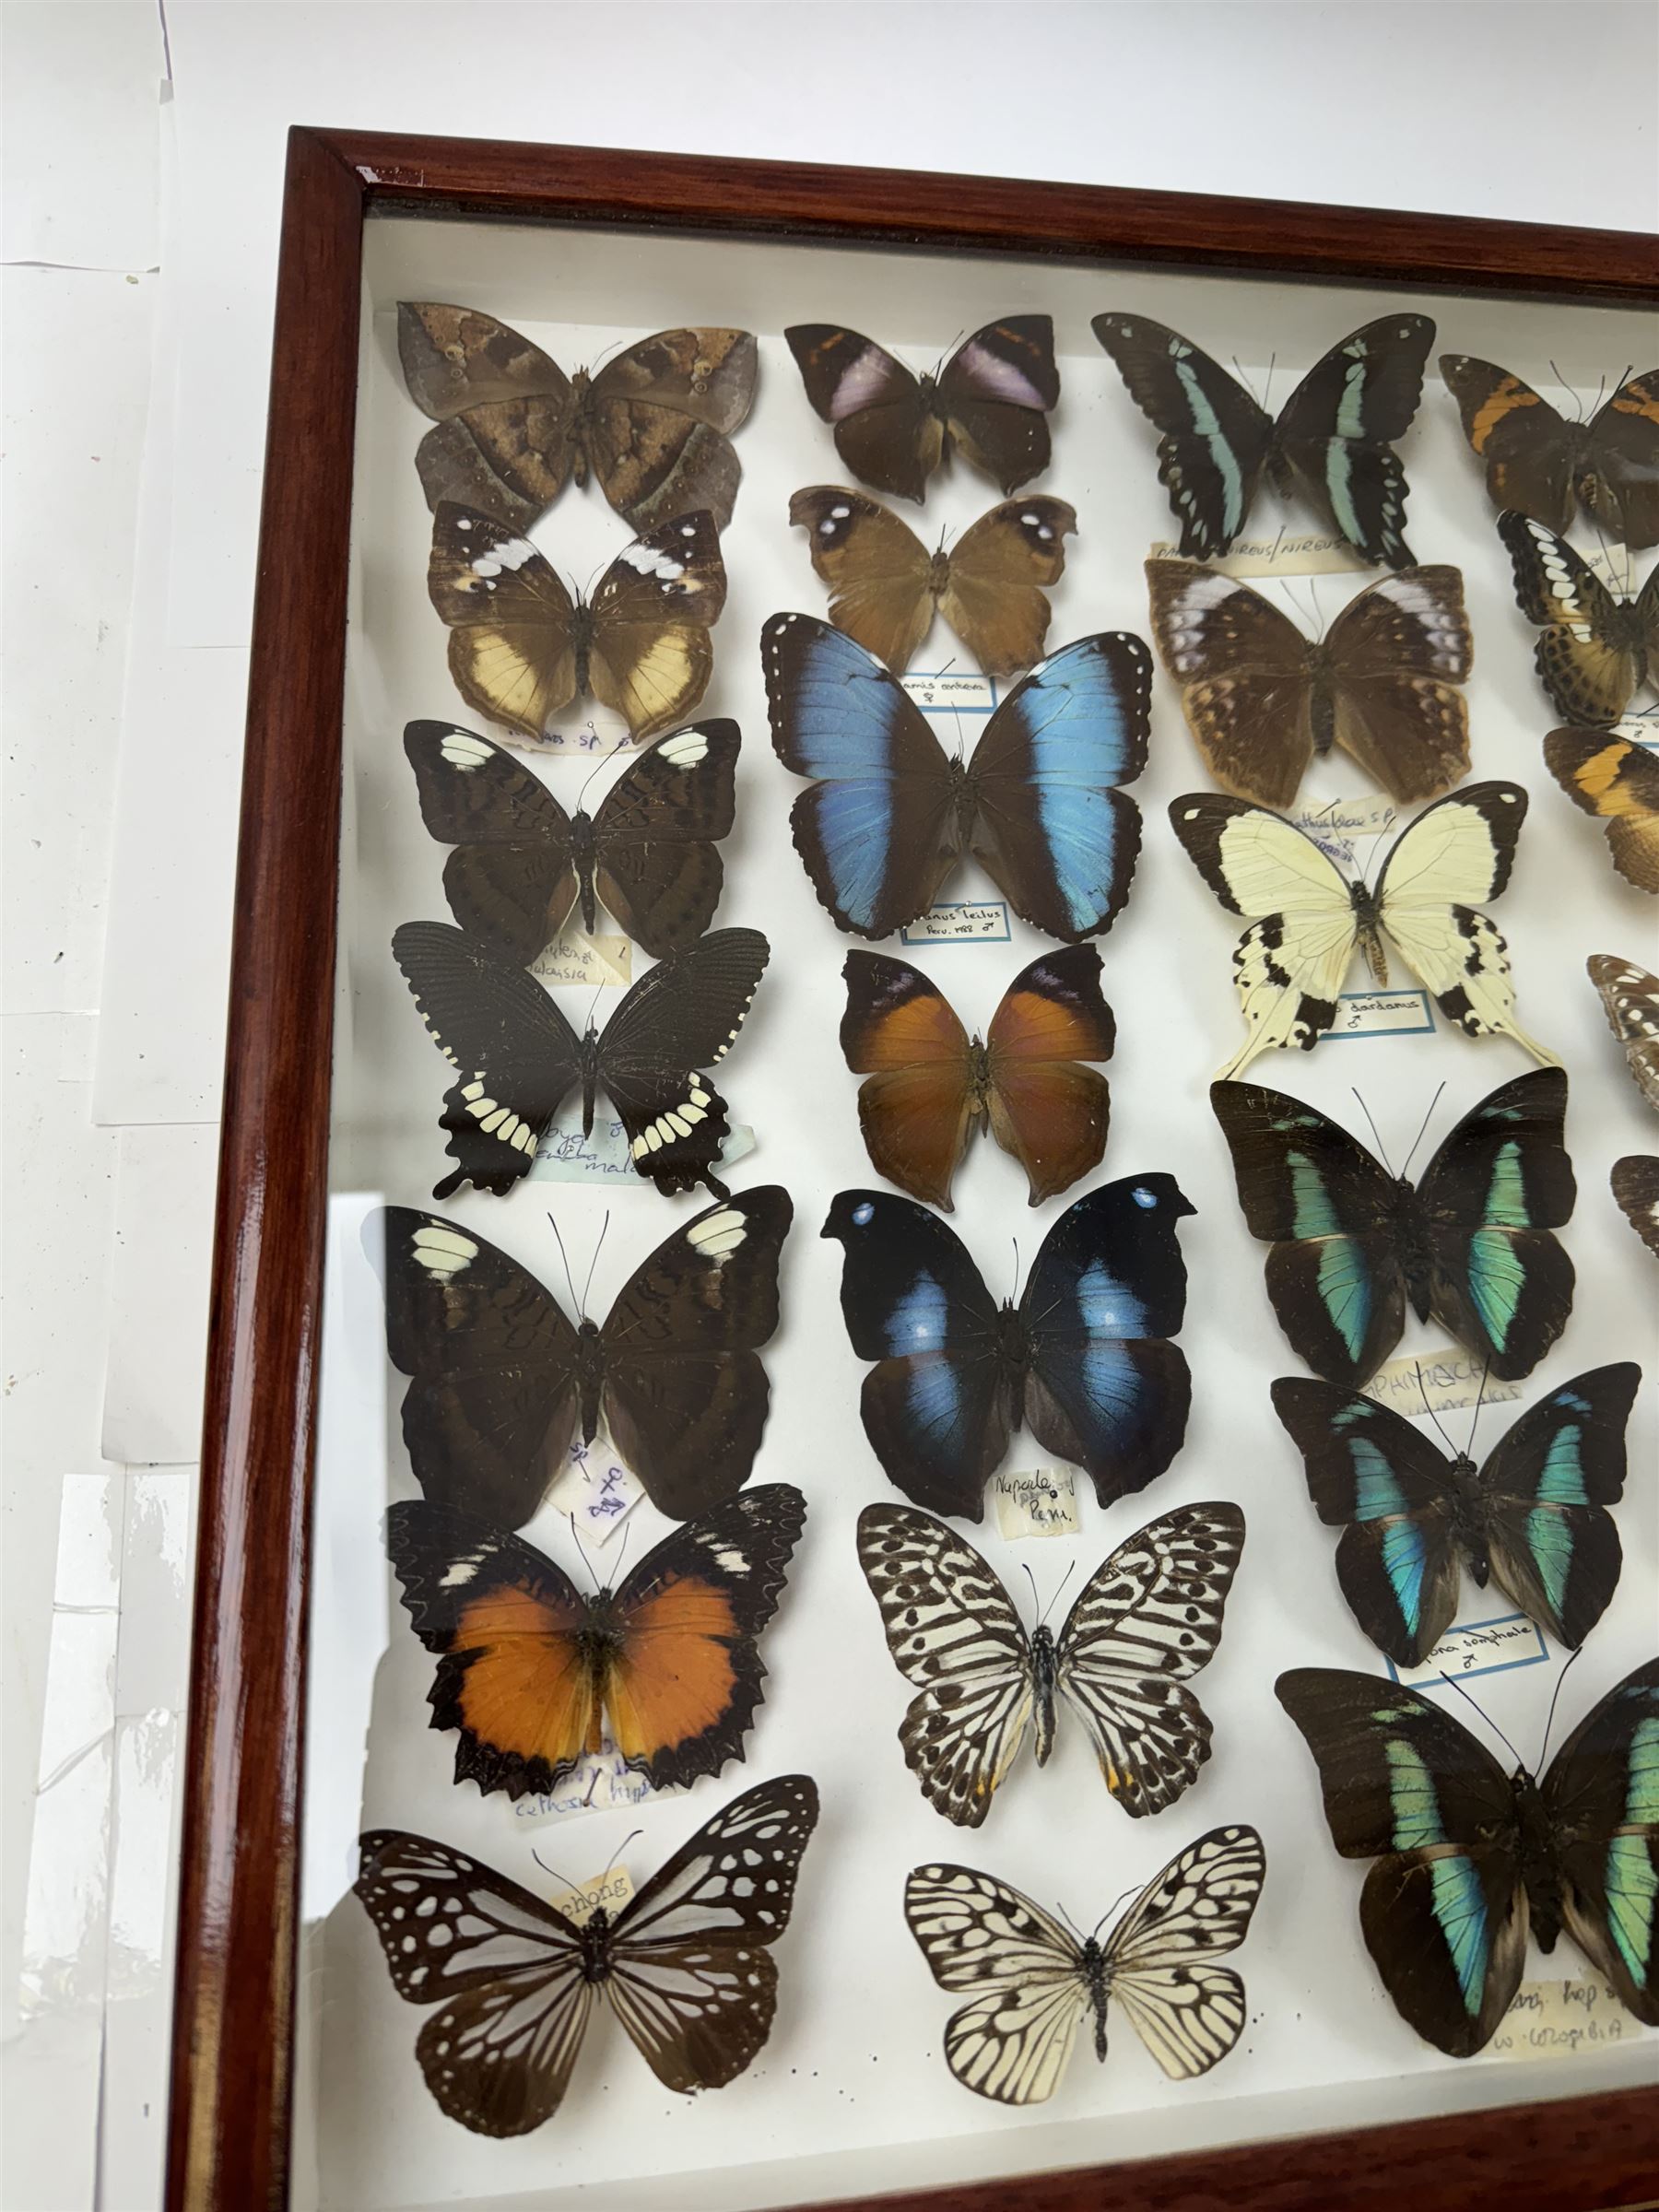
(1111, 1908)
(1486, 1716)
(1014, 1242)
(1058, 1587)
(1036, 1601)
(1479, 1395)
(586, 780)
(1418, 1140)
(1070, 1922)
(1376, 1132)
(564, 1256)
(1247, 384)
(576, 1537)
(1267, 383)
(1428, 1409)
(622, 1555)
(1319, 620)
(621, 1847)
(599, 1248)
(1549, 1717)
(553, 1870)
(948, 353)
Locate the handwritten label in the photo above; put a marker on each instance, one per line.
(961, 923)
(587, 741)
(611, 1889)
(566, 1156)
(573, 958)
(1640, 725)
(1291, 553)
(1549, 2017)
(1476, 1647)
(1616, 566)
(1381, 1014)
(595, 1492)
(1449, 1381)
(601, 1780)
(950, 693)
(1347, 818)
(1041, 1503)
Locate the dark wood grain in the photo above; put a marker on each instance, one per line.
(231, 2091)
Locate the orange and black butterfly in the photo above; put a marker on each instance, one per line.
(1596, 649)
(1542, 465)
(1608, 776)
(931, 1087)
(533, 1674)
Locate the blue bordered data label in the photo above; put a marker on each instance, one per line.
(1381, 1014)
(963, 921)
(952, 691)
(1470, 1648)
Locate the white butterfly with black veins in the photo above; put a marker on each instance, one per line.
(1033, 1981)
(1307, 920)
(1148, 1617)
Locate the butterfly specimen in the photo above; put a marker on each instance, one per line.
(654, 427)
(1332, 445)
(1610, 777)
(890, 814)
(1470, 1246)
(1539, 463)
(529, 1668)
(1533, 1518)
(884, 585)
(521, 648)
(1146, 1619)
(685, 1963)
(518, 1059)
(1032, 1982)
(1595, 652)
(1263, 701)
(520, 863)
(990, 402)
(1632, 998)
(1470, 1860)
(1083, 1359)
(1307, 920)
(932, 1087)
(500, 1383)
(1635, 1185)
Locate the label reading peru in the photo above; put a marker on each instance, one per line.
(961, 923)
(566, 1156)
(1449, 1381)
(948, 691)
(1476, 1647)
(612, 1890)
(1041, 1503)
(1291, 553)
(1548, 2017)
(575, 958)
(1381, 1014)
(595, 1491)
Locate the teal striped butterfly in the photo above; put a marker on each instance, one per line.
(1470, 1860)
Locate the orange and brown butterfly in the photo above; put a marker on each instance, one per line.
(931, 1087)
(885, 586)
(522, 647)
(1542, 464)
(654, 426)
(1619, 781)
(1597, 648)
(533, 1674)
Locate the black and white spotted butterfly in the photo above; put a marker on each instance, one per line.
(684, 1964)
(1147, 1617)
(1032, 1981)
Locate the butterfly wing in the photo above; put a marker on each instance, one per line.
(1444, 1911)
(499, 2056)
(1245, 676)
(877, 829)
(1011, 2042)
(1587, 659)
(510, 879)
(685, 1393)
(681, 1018)
(1290, 964)
(1619, 781)
(1048, 1109)
(1389, 1490)
(936, 1405)
(1148, 1618)
(692, 1978)
(1187, 2012)
(1440, 871)
(655, 860)
(658, 423)
(652, 656)
(996, 391)
(1546, 1488)
(1104, 1387)
(1602, 1797)
(1619, 482)
(1319, 1198)
(1630, 997)
(504, 412)
(879, 572)
(1490, 1198)
(883, 429)
(953, 1635)
(491, 1404)
(1635, 1186)
(515, 1053)
(1398, 654)
(511, 622)
(1214, 440)
(1525, 445)
(1336, 430)
(993, 595)
(916, 1110)
(1055, 836)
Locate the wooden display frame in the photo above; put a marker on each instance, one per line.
(232, 2084)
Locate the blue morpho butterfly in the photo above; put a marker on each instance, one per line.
(890, 813)
(1533, 1518)
(1470, 1859)
(1083, 1359)
(1470, 1245)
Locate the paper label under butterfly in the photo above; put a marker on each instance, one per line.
(612, 1889)
(1546, 2018)
(575, 958)
(1476, 1647)
(604, 1156)
(583, 743)
(1381, 1014)
(595, 1492)
(981, 921)
(1450, 1382)
(1290, 553)
(1041, 1502)
(601, 1781)
(950, 692)
(1345, 820)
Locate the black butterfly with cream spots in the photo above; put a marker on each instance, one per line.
(518, 1059)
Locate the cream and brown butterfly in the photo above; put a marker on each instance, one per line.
(654, 426)
(522, 646)
(1605, 775)
(885, 586)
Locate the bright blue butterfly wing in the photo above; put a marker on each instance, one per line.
(1602, 1796)
(1552, 1543)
